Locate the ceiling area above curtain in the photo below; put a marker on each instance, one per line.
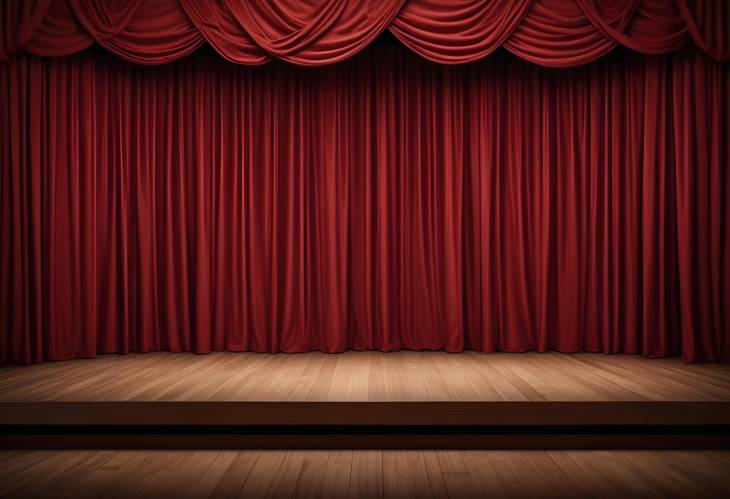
(557, 33)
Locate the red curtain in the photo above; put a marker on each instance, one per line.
(385, 202)
(316, 32)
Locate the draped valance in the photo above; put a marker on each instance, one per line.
(556, 33)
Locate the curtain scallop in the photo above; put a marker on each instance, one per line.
(316, 32)
(382, 203)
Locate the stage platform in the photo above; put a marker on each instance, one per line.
(366, 400)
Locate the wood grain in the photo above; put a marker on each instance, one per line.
(364, 474)
(367, 376)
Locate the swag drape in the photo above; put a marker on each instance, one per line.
(315, 32)
(386, 202)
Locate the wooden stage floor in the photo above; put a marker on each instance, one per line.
(367, 376)
(357, 400)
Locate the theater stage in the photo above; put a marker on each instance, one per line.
(366, 400)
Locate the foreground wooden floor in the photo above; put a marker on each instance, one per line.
(367, 376)
(367, 474)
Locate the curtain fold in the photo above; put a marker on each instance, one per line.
(382, 203)
(169, 37)
(219, 27)
(20, 21)
(649, 26)
(58, 34)
(708, 22)
(316, 32)
(557, 33)
(457, 32)
(103, 20)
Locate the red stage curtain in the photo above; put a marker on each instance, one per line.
(701, 120)
(382, 203)
(317, 32)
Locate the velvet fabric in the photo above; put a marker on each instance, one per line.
(316, 32)
(385, 202)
